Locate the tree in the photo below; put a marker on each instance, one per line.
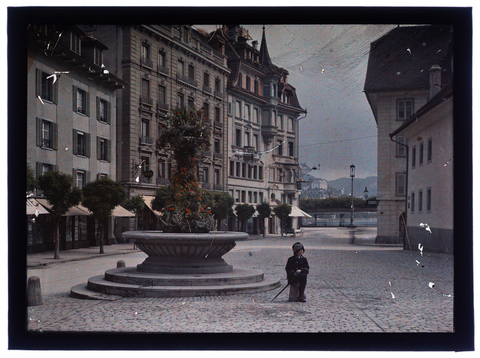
(282, 211)
(57, 189)
(31, 181)
(101, 197)
(219, 203)
(244, 212)
(135, 204)
(264, 211)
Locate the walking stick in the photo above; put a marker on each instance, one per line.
(283, 289)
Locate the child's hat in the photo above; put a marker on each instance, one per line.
(297, 246)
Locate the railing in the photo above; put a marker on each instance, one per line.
(146, 100)
(162, 106)
(187, 80)
(162, 69)
(207, 89)
(146, 62)
(146, 140)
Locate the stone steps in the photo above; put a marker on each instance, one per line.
(127, 282)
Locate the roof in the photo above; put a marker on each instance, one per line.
(402, 57)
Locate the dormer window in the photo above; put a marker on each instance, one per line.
(75, 43)
(97, 56)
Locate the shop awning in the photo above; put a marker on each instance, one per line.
(148, 202)
(121, 212)
(76, 210)
(297, 212)
(34, 207)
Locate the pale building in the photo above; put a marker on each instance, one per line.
(397, 86)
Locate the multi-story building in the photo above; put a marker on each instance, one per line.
(396, 86)
(71, 123)
(263, 114)
(165, 66)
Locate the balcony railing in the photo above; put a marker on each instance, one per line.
(162, 106)
(146, 100)
(146, 62)
(187, 80)
(162, 69)
(146, 140)
(207, 89)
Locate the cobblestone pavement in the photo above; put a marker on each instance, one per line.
(351, 288)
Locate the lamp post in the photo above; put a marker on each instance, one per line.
(352, 175)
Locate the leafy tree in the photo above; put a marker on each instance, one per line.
(219, 203)
(282, 211)
(136, 204)
(31, 181)
(161, 199)
(244, 212)
(101, 197)
(264, 211)
(57, 189)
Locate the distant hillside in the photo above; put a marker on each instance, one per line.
(359, 185)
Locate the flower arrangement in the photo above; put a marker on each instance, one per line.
(186, 135)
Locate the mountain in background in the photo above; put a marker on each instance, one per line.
(359, 185)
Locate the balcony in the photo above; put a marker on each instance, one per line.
(146, 140)
(146, 101)
(187, 80)
(162, 107)
(146, 62)
(268, 132)
(162, 69)
(218, 156)
(207, 89)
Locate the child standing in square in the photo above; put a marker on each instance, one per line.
(297, 270)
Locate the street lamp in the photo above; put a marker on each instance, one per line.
(365, 193)
(352, 175)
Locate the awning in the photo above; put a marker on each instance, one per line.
(121, 212)
(76, 210)
(148, 202)
(297, 212)
(34, 207)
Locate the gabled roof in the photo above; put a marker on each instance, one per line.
(401, 59)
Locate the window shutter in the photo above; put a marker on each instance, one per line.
(74, 142)
(74, 98)
(54, 136)
(74, 175)
(39, 132)
(87, 103)
(109, 112)
(87, 145)
(98, 149)
(38, 82)
(38, 168)
(109, 150)
(55, 92)
(97, 108)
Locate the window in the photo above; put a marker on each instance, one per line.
(238, 137)
(47, 134)
(255, 141)
(81, 143)
(260, 173)
(280, 122)
(75, 43)
(232, 168)
(97, 56)
(404, 109)
(400, 181)
(145, 55)
(247, 112)
(181, 101)
(80, 178)
(145, 130)
(412, 202)
(420, 154)
(248, 83)
(218, 87)
(401, 150)
(280, 147)
(191, 73)
(45, 88)
(238, 109)
(244, 170)
(429, 200)
(290, 149)
(42, 168)
(247, 138)
(190, 103)
(206, 80)
(217, 114)
(255, 87)
(290, 126)
(162, 98)
(103, 149)
(429, 150)
(237, 169)
(80, 101)
(206, 110)
(414, 156)
(162, 61)
(255, 115)
(180, 68)
(145, 90)
(420, 201)
(103, 110)
(240, 80)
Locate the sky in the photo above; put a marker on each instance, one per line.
(327, 66)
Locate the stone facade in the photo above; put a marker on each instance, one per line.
(262, 121)
(165, 67)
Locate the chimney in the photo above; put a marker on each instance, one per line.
(435, 80)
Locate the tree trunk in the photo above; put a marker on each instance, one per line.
(263, 226)
(101, 236)
(56, 238)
